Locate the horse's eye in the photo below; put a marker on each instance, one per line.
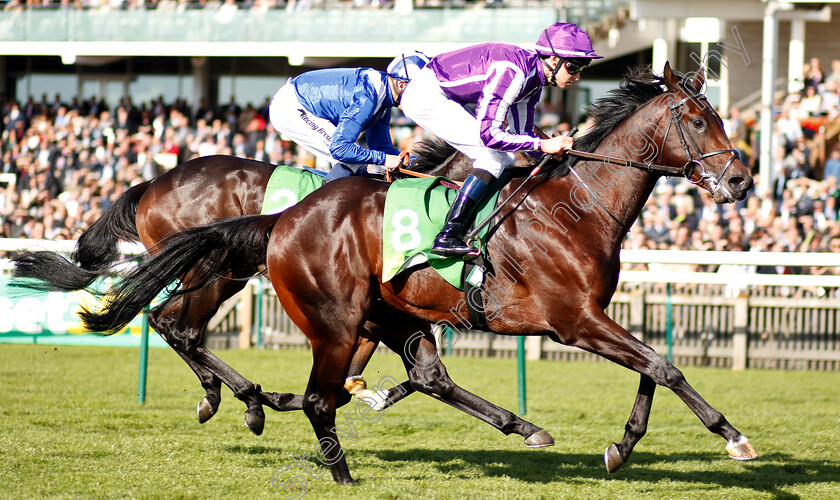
(698, 124)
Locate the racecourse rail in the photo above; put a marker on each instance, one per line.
(730, 318)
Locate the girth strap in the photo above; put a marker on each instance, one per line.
(473, 279)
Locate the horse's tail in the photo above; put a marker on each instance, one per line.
(95, 252)
(202, 254)
(98, 247)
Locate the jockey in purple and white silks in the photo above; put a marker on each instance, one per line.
(325, 111)
(505, 83)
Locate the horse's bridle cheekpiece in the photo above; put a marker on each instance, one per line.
(553, 79)
(693, 162)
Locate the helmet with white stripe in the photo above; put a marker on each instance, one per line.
(406, 66)
(565, 40)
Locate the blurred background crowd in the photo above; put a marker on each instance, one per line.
(63, 162)
(226, 7)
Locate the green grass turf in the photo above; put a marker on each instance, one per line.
(70, 427)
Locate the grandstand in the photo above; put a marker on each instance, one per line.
(208, 54)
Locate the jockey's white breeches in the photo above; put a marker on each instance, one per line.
(290, 118)
(424, 102)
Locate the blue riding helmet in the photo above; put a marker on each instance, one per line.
(406, 66)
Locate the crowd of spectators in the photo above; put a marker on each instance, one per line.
(63, 163)
(227, 7)
(799, 212)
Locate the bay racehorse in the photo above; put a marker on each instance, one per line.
(554, 248)
(195, 193)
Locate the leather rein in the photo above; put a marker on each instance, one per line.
(692, 162)
(687, 170)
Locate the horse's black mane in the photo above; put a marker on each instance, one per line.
(639, 86)
(431, 153)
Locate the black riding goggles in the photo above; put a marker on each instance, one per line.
(573, 66)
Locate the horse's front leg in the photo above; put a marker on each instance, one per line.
(413, 340)
(597, 333)
(355, 384)
(636, 427)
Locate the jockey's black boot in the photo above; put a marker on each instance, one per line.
(450, 241)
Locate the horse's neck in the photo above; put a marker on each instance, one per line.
(457, 167)
(624, 190)
(621, 191)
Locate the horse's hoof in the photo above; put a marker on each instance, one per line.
(612, 458)
(741, 450)
(255, 420)
(205, 410)
(539, 439)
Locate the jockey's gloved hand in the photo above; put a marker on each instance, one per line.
(405, 158)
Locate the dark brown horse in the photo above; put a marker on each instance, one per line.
(555, 249)
(192, 194)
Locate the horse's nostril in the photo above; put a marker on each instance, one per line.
(738, 183)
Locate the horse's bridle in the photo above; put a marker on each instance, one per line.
(693, 162)
(687, 170)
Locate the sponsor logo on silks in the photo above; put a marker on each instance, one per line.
(314, 126)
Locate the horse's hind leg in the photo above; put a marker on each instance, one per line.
(412, 338)
(188, 342)
(212, 385)
(331, 361)
(182, 322)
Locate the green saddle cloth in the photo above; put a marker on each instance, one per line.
(415, 210)
(287, 186)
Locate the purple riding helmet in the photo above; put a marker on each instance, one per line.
(568, 42)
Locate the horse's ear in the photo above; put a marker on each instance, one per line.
(699, 79)
(669, 78)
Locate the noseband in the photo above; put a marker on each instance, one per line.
(692, 161)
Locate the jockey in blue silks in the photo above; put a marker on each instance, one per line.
(325, 111)
(505, 83)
